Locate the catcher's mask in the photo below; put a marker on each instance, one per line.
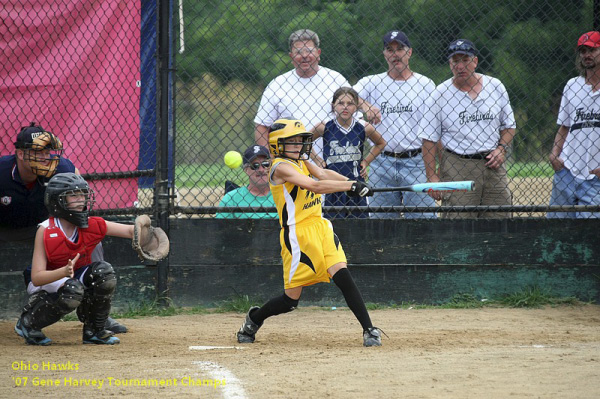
(280, 133)
(69, 196)
(41, 149)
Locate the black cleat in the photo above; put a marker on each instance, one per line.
(372, 337)
(32, 337)
(114, 326)
(248, 329)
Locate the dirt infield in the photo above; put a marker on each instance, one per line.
(492, 353)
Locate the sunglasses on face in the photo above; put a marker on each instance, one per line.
(256, 165)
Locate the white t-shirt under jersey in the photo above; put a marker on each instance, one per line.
(401, 103)
(580, 111)
(289, 96)
(464, 125)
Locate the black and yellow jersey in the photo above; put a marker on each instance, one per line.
(295, 205)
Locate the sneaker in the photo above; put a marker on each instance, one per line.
(115, 326)
(248, 329)
(32, 337)
(103, 337)
(372, 337)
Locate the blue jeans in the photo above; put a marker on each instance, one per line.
(569, 190)
(395, 172)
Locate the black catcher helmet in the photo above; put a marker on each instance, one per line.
(69, 196)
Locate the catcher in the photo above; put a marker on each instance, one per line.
(63, 276)
(311, 251)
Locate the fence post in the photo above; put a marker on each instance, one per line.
(161, 191)
(596, 12)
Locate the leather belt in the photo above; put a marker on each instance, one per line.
(477, 155)
(403, 154)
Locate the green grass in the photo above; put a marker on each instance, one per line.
(214, 175)
(208, 175)
(528, 297)
(530, 169)
(534, 297)
(238, 303)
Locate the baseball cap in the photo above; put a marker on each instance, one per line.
(462, 46)
(396, 36)
(255, 151)
(28, 134)
(590, 39)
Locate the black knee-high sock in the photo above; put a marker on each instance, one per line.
(343, 279)
(278, 305)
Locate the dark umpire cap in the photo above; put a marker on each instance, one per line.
(462, 46)
(27, 134)
(396, 36)
(589, 39)
(255, 151)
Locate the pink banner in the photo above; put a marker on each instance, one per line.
(73, 66)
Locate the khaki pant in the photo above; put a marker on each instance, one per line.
(491, 187)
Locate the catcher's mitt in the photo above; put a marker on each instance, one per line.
(151, 243)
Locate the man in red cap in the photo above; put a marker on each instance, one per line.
(575, 156)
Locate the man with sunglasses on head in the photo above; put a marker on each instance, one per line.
(256, 164)
(400, 93)
(469, 123)
(23, 179)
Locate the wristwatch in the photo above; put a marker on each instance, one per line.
(505, 146)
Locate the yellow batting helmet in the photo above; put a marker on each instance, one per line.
(281, 131)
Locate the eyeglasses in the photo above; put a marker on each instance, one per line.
(256, 165)
(304, 50)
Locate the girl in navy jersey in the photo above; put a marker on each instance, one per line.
(343, 146)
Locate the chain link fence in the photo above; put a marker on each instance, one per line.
(88, 71)
(234, 50)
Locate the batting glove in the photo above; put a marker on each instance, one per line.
(360, 189)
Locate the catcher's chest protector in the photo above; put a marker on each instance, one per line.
(59, 249)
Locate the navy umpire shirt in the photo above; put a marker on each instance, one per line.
(20, 206)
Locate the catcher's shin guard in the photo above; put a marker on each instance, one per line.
(247, 332)
(101, 282)
(43, 310)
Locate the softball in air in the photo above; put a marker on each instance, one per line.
(233, 159)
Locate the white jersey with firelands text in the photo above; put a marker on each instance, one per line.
(580, 112)
(289, 96)
(464, 125)
(401, 103)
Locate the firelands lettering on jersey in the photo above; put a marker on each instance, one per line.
(386, 108)
(580, 114)
(477, 116)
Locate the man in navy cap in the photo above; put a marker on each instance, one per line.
(256, 164)
(400, 94)
(470, 118)
(23, 175)
(23, 179)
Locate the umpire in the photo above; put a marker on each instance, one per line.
(23, 179)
